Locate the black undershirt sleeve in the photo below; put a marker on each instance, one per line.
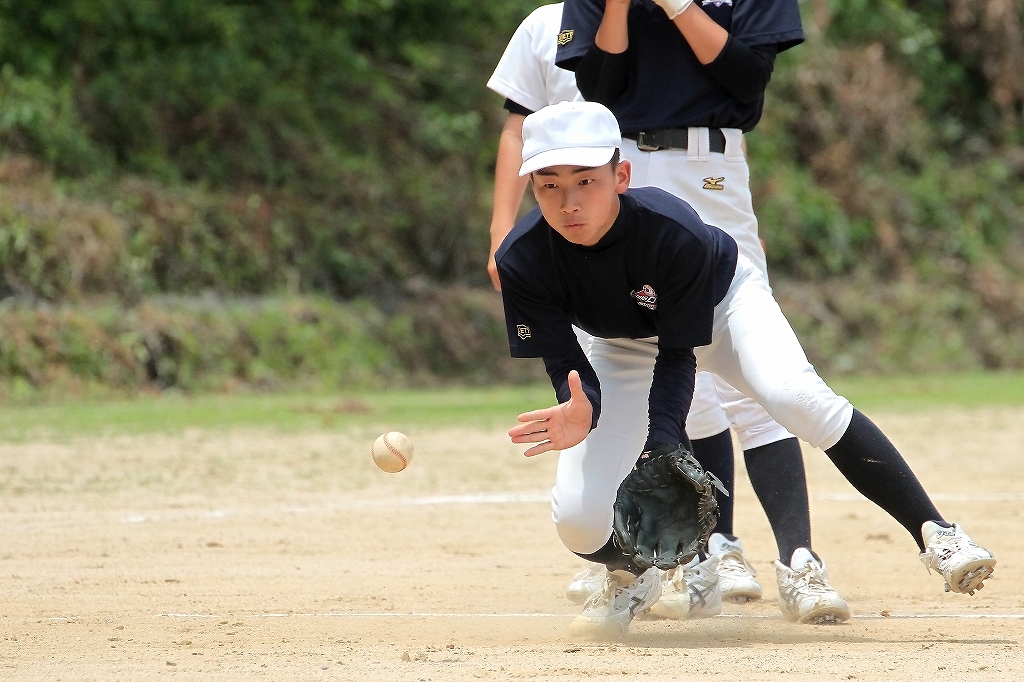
(514, 107)
(558, 368)
(603, 76)
(742, 70)
(675, 372)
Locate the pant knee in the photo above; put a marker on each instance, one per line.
(816, 414)
(582, 530)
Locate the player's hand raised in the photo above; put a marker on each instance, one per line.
(558, 427)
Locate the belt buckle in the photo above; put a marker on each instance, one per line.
(644, 146)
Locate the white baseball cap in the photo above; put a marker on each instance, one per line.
(569, 134)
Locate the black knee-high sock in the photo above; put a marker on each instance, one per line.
(878, 471)
(776, 473)
(715, 455)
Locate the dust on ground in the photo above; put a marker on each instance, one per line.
(260, 555)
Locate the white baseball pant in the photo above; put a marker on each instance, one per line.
(717, 185)
(753, 349)
(584, 338)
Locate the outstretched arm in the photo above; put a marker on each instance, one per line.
(558, 427)
(670, 397)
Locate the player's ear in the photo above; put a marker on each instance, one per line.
(623, 172)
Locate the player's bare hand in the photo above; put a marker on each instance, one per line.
(492, 270)
(558, 427)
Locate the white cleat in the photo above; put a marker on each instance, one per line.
(804, 592)
(607, 614)
(950, 552)
(586, 583)
(690, 591)
(734, 571)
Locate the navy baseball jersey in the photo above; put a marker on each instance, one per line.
(659, 271)
(668, 87)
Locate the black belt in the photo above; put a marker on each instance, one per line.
(674, 138)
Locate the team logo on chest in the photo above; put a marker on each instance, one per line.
(716, 3)
(523, 331)
(646, 297)
(714, 183)
(565, 37)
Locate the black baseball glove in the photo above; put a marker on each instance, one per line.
(665, 509)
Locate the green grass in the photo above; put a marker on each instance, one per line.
(902, 393)
(474, 407)
(485, 408)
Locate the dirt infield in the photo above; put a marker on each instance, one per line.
(261, 555)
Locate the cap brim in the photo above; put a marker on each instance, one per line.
(586, 157)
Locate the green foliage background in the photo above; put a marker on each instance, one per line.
(337, 156)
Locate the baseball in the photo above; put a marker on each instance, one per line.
(392, 451)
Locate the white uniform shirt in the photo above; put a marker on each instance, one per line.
(526, 72)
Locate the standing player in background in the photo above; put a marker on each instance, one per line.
(686, 79)
(529, 80)
(526, 76)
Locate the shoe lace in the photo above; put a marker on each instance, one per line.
(942, 549)
(677, 578)
(811, 580)
(608, 592)
(733, 564)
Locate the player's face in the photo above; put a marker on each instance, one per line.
(581, 203)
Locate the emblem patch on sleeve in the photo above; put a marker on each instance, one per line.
(523, 331)
(714, 183)
(565, 37)
(646, 297)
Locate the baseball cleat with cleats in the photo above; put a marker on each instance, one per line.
(950, 552)
(734, 571)
(690, 591)
(804, 592)
(607, 614)
(586, 583)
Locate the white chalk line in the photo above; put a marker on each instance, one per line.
(492, 498)
(414, 614)
(476, 498)
(941, 497)
(434, 500)
(411, 614)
